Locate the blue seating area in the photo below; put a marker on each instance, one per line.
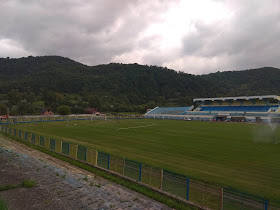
(170, 110)
(238, 108)
(246, 108)
(197, 113)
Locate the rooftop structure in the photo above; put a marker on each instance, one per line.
(266, 97)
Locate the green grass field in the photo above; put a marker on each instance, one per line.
(239, 155)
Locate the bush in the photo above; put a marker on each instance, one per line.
(64, 110)
(28, 183)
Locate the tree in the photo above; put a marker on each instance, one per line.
(94, 102)
(24, 107)
(53, 99)
(3, 109)
(78, 110)
(14, 97)
(64, 110)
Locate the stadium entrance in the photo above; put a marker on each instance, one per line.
(238, 119)
(221, 118)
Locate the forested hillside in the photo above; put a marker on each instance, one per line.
(27, 85)
(260, 81)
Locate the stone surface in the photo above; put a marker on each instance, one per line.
(60, 185)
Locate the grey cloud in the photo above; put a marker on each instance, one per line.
(101, 31)
(92, 32)
(249, 40)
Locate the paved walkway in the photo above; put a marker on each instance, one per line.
(60, 185)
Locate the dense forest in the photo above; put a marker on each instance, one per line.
(28, 85)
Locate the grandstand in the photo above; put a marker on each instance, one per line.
(245, 109)
(238, 108)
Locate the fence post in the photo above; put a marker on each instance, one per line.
(76, 153)
(222, 198)
(266, 205)
(108, 162)
(161, 178)
(123, 164)
(68, 149)
(188, 187)
(60, 147)
(96, 157)
(140, 172)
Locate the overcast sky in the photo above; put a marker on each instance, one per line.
(194, 36)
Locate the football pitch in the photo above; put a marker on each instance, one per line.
(239, 155)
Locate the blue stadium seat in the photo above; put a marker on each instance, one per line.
(197, 113)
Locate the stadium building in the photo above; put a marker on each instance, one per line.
(235, 109)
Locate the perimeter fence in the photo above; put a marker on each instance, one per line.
(28, 119)
(234, 199)
(182, 186)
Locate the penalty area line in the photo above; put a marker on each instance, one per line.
(141, 126)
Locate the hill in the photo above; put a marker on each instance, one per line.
(27, 85)
(260, 81)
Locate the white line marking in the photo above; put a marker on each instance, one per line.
(141, 126)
